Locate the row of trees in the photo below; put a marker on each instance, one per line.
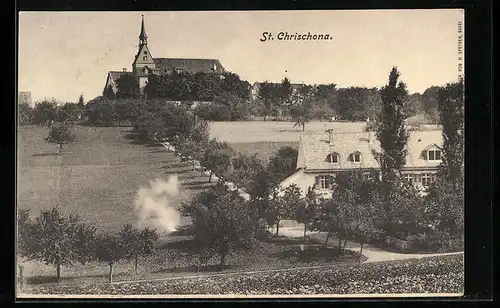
(45, 112)
(230, 98)
(61, 240)
(183, 86)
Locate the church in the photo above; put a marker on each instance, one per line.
(144, 65)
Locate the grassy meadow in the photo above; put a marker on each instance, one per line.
(265, 138)
(98, 176)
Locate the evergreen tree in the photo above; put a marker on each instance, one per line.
(391, 130)
(451, 113)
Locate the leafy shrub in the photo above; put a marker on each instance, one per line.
(437, 241)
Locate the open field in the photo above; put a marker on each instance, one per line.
(265, 138)
(271, 131)
(96, 177)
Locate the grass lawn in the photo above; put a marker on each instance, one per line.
(271, 131)
(265, 138)
(96, 177)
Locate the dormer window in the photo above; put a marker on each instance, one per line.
(145, 58)
(355, 157)
(434, 155)
(332, 158)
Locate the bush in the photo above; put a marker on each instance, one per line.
(436, 242)
(427, 275)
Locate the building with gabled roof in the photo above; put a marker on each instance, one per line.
(145, 65)
(322, 156)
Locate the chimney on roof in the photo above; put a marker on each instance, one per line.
(330, 136)
(124, 69)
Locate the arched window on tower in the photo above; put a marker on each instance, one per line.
(145, 58)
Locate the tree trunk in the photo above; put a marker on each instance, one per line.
(21, 276)
(210, 177)
(303, 126)
(135, 264)
(340, 243)
(305, 230)
(222, 260)
(345, 243)
(360, 252)
(60, 149)
(277, 227)
(265, 118)
(327, 237)
(58, 272)
(110, 276)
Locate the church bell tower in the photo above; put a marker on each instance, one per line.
(144, 64)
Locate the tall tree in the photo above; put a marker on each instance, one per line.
(327, 95)
(137, 242)
(391, 131)
(58, 240)
(451, 113)
(109, 93)
(216, 158)
(44, 112)
(283, 207)
(284, 96)
(223, 222)
(206, 86)
(267, 97)
(127, 87)
(69, 112)
(81, 103)
(283, 163)
(110, 250)
(245, 168)
(25, 113)
(60, 134)
(302, 108)
(261, 187)
(306, 210)
(232, 83)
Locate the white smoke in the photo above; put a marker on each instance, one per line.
(155, 205)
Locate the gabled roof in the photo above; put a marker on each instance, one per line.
(314, 148)
(192, 66)
(114, 75)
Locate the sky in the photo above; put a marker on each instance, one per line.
(62, 55)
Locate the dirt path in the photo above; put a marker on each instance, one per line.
(373, 253)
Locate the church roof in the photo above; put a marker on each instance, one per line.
(192, 66)
(314, 149)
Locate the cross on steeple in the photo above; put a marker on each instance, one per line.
(143, 38)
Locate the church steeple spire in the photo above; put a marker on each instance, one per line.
(143, 38)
